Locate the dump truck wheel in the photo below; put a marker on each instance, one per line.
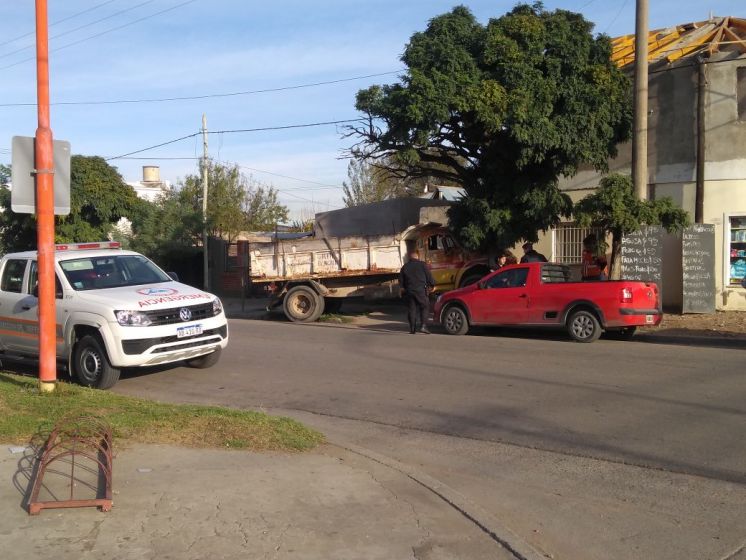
(303, 305)
(471, 278)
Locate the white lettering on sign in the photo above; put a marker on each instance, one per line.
(698, 267)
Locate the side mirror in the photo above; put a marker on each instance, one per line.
(35, 290)
(480, 285)
(173, 276)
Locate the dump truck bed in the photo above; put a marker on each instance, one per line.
(354, 256)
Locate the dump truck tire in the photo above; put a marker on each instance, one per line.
(303, 305)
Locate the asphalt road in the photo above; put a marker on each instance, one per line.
(671, 407)
(644, 442)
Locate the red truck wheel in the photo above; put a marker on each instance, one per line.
(583, 326)
(455, 320)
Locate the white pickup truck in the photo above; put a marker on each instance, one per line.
(115, 309)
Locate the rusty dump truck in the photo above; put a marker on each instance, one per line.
(358, 252)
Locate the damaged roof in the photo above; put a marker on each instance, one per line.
(705, 38)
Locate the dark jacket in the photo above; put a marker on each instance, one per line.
(415, 276)
(533, 256)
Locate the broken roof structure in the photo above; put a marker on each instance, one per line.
(725, 35)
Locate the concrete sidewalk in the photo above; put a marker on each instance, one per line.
(177, 503)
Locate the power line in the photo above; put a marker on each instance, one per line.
(286, 127)
(209, 95)
(104, 32)
(68, 32)
(616, 17)
(321, 186)
(102, 4)
(262, 129)
(154, 146)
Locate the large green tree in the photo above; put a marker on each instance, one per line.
(504, 110)
(615, 209)
(99, 197)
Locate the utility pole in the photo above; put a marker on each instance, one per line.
(205, 173)
(640, 132)
(44, 172)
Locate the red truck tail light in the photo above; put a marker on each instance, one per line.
(626, 295)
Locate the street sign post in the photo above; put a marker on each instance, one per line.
(23, 195)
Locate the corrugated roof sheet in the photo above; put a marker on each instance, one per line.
(668, 45)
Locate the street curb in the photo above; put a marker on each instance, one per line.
(474, 513)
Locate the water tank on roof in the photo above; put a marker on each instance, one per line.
(151, 174)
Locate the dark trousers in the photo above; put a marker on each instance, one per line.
(419, 309)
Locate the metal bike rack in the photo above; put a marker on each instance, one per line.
(84, 442)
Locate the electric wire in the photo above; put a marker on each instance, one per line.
(133, 22)
(235, 131)
(63, 20)
(69, 31)
(616, 17)
(209, 95)
(285, 127)
(320, 186)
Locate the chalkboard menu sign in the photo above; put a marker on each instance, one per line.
(642, 256)
(698, 264)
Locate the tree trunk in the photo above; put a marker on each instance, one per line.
(615, 271)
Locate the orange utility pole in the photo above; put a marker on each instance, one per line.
(44, 163)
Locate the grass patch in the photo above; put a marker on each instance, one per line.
(335, 318)
(24, 411)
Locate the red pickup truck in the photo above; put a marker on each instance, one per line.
(542, 295)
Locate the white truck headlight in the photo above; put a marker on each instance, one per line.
(217, 306)
(132, 318)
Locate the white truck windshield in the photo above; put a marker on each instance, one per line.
(111, 271)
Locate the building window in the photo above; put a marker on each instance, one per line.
(741, 92)
(737, 250)
(568, 242)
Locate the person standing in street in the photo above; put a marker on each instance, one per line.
(531, 255)
(415, 284)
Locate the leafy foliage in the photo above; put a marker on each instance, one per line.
(502, 109)
(614, 208)
(99, 197)
(170, 229)
(367, 183)
(4, 175)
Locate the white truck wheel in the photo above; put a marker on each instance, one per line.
(90, 364)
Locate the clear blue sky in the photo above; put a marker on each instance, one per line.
(214, 46)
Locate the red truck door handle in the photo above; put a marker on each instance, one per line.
(523, 296)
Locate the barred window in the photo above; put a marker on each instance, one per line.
(568, 242)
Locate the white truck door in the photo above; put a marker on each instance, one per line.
(16, 329)
(32, 313)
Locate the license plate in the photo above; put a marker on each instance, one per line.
(192, 330)
(649, 319)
